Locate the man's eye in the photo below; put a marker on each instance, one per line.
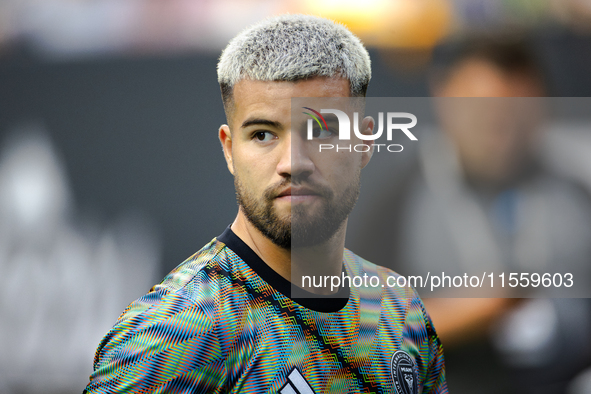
(322, 133)
(263, 136)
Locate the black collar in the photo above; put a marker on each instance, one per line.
(316, 302)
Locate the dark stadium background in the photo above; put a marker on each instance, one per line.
(140, 132)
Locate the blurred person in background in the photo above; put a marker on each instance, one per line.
(480, 197)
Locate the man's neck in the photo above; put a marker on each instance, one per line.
(324, 259)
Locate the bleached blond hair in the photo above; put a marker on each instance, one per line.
(293, 48)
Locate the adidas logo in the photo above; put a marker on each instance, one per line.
(296, 384)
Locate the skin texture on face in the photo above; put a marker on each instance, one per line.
(304, 226)
(289, 193)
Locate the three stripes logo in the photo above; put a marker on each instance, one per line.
(296, 384)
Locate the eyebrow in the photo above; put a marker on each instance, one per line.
(258, 121)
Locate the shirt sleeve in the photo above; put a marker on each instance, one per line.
(434, 381)
(162, 343)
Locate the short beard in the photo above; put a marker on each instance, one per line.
(307, 230)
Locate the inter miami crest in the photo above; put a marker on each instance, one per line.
(404, 373)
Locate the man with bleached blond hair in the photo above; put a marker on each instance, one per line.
(237, 317)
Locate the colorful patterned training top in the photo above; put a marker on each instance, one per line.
(223, 322)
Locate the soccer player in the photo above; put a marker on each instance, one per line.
(225, 320)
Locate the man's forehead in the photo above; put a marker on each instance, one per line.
(479, 77)
(310, 87)
(272, 99)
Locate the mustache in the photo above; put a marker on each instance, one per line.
(274, 191)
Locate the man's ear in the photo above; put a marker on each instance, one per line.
(226, 140)
(367, 126)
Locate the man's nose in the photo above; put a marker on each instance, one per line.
(295, 160)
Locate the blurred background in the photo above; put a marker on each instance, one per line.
(111, 173)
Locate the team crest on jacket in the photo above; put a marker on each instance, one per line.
(404, 373)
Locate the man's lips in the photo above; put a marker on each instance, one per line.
(297, 194)
(297, 191)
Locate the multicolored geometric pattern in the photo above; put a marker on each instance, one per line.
(215, 326)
